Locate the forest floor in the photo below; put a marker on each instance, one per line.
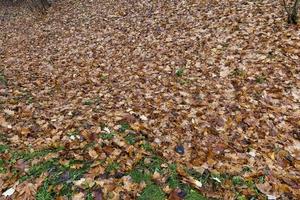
(150, 99)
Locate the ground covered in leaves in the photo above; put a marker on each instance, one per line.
(149, 100)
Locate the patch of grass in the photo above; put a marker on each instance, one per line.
(76, 174)
(66, 190)
(179, 72)
(131, 138)
(62, 177)
(173, 180)
(193, 195)
(138, 176)
(114, 166)
(89, 196)
(124, 127)
(43, 193)
(38, 169)
(3, 148)
(146, 146)
(2, 166)
(154, 165)
(107, 136)
(237, 181)
(35, 154)
(152, 192)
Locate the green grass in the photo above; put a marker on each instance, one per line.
(146, 146)
(107, 136)
(24, 155)
(56, 178)
(3, 148)
(89, 196)
(124, 127)
(76, 174)
(112, 167)
(2, 166)
(139, 176)
(193, 195)
(152, 192)
(43, 193)
(38, 169)
(154, 165)
(237, 181)
(130, 139)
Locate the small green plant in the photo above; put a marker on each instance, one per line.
(131, 138)
(114, 166)
(124, 127)
(146, 146)
(179, 72)
(107, 136)
(3, 148)
(237, 181)
(152, 192)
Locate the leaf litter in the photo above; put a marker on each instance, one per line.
(130, 99)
